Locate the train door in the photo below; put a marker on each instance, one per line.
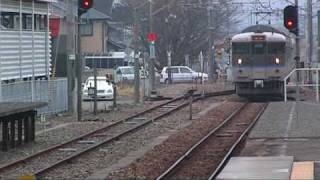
(258, 60)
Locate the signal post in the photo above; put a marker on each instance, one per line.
(291, 22)
(152, 37)
(83, 7)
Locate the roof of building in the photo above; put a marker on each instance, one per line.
(95, 15)
(117, 44)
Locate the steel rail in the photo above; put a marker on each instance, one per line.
(22, 160)
(116, 137)
(133, 129)
(175, 166)
(236, 144)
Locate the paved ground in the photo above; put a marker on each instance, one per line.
(287, 129)
(268, 168)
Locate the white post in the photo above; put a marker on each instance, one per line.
(20, 39)
(285, 89)
(33, 78)
(47, 44)
(0, 59)
(317, 85)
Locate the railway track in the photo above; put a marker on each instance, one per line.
(48, 159)
(207, 157)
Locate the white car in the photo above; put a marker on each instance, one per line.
(182, 74)
(104, 89)
(124, 73)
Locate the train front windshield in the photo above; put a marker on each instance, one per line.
(258, 48)
(276, 48)
(240, 48)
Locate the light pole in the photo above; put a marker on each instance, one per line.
(211, 43)
(169, 51)
(136, 60)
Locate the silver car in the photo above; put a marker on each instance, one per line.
(182, 74)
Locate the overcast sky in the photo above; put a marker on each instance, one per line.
(276, 6)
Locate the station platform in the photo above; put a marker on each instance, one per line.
(286, 130)
(267, 168)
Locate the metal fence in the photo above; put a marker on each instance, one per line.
(303, 81)
(54, 92)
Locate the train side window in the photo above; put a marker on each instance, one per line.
(258, 48)
(240, 48)
(276, 48)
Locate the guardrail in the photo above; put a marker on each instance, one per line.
(301, 82)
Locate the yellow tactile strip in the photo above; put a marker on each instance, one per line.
(303, 171)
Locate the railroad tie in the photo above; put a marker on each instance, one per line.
(233, 131)
(136, 120)
(86, 142)
(169, 106)
(224, 135)
(241, 124)
(68, 149)
(99, 135)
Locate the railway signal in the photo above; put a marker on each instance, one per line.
(290, 19)
(84, 6)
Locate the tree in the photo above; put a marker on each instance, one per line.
(181, 25)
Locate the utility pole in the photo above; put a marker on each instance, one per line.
(70, 60)
(168, 51)
(95, 86)
(309, 38)
(152, 55)
(318, 13)
(211, 43)
(297, 58)
(79, 72)
(136, 60)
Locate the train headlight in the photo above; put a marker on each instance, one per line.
(277, 61)
(239, 61)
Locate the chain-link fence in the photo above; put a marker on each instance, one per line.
(53, 92)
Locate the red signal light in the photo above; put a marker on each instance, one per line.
(290, 24)
(86, 4)
(152, 37)
(290, 19)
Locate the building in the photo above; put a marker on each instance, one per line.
(26, 58)
(24, 40)
(94, 32)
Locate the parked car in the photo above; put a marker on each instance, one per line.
(182, 74)
(124, 73)
(104, 88)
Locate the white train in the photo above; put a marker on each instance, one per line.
(261, 57)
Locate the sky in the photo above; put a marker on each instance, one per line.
(276, 6)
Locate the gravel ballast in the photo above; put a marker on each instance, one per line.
(165, 154)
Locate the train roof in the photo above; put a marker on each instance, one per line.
(270, 37)
(261, 28)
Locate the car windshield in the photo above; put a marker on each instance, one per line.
(127, 71)
(91, 81)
